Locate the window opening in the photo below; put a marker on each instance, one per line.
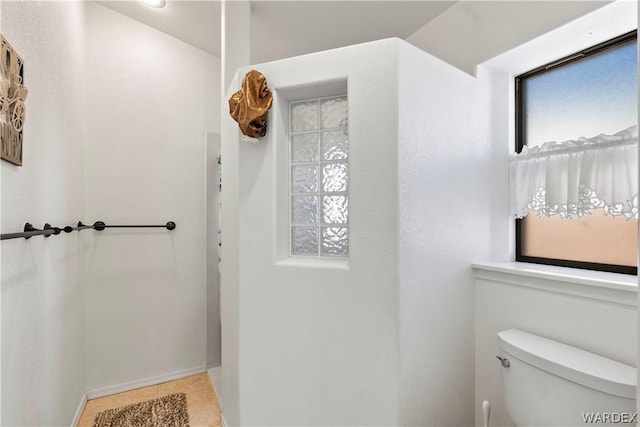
(588, 93)
(319, 177)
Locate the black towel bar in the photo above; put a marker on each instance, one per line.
(99, 225)
(48, 230)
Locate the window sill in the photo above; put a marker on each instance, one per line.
(597, 285)
(314, 262)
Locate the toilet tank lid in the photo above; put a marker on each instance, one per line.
(571, 363)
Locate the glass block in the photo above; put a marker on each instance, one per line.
(304, 148)
(304, 240)
(335, 241)
(334, 177)
(335, 145)
(304, 209)
(304, 179)
(304, 116)
(333, 113)
(335, 209)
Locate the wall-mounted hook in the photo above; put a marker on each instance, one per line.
(48, 226)
(79, 227)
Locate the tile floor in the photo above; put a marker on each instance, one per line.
(202, 402)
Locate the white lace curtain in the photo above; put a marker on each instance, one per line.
(572, 178)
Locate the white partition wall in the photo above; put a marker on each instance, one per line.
(342, 340)
(444, 204)
(317, 337)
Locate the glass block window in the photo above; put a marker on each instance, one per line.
(319, 147)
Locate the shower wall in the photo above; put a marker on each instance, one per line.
(385, 336)
(316, 340)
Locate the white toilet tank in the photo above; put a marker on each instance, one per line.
(548, 383)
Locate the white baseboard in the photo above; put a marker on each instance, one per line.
(119, 388)
(76, 418)
(215, 376)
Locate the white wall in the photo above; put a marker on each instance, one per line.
(387, 337)
(602, 327)
(235, 48)
(317, 341)
(43, 363)
(599, 326)
(445, 175)
(151, 99)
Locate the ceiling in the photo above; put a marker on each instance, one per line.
(463, 33)
(194, 22)
(281, 29)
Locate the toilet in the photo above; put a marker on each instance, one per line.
(547, 383)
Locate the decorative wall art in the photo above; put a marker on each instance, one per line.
(250, 105)
(12, 108)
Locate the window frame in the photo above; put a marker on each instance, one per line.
(519, 144)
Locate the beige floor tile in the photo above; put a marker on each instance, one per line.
(94, 406)
(86, 422)
(185, 385)
(203, 409)
(202, 402)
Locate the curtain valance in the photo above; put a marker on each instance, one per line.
(572, 178)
